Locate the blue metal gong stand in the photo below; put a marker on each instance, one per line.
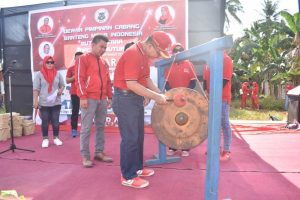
(211, 53)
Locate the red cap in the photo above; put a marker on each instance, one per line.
(163, 42)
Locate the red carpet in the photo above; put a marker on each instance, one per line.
(263, 166)
(262, 128)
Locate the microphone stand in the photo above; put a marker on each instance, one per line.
(13, 146)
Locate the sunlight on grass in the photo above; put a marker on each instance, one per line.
(247, 114)
(275, 108)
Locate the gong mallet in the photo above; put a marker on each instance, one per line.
(178, 99)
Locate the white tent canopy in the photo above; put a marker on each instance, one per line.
(16, 3)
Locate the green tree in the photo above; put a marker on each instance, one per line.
(293, 23)
(260, 55)
(232, 8)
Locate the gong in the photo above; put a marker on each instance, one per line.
(182, 123)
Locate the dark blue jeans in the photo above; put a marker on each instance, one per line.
(225, 123)
(129, 109)
(286, 102)
(50, 114)
(75, 110)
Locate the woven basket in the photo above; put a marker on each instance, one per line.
(4, 120)
(18, 131)
(27, 122)
(17, 120)
(4, 116)
(4, 134)
(4, 124)
(28, 127)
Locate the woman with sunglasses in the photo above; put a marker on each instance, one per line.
(48, 86)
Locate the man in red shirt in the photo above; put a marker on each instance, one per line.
(245, 92)
(254, 96)
(95, 92)
(226, 100)
(70, 78)
(132, 90)
(45, 28)
(181, 74)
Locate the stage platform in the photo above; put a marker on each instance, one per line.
(265, 165)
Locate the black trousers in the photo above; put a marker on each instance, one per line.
(75, 111)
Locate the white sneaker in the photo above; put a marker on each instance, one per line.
(170, 152)
(185, 153)
(45, 143)
(57, 142)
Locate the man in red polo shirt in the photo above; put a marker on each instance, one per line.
(226, 100)
(70, 78)
(180, 74)
(132, 90)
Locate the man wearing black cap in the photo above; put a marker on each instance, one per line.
(132, 90)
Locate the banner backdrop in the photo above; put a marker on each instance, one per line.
(62, 31)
